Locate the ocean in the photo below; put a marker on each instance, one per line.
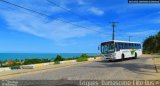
(22, 56)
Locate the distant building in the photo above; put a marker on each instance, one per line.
(9, 63)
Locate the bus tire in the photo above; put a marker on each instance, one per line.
(135, 56)
(122, 57)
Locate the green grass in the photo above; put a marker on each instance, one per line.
(157, 55)
(57, 62)
(81, 59)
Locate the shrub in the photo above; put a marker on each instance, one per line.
(34, 61)
(56, 62)
(31, 61)
(15, 67)
(1, 63)
(84, 56)
(59, 58)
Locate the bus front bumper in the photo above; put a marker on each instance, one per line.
(109, 58)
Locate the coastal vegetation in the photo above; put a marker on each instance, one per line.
(15, 64)
(151, 44)
(34, 61)
(59, 58)
(83, 57)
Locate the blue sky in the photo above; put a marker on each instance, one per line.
(25, 32)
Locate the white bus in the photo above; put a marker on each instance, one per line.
(114, 50)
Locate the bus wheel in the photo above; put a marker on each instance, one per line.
(122, 57)
(135, 56)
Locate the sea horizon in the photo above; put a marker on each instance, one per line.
(22, 56)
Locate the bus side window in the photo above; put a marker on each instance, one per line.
(132, 46)
(127, 45)
(117, 47)
(136, 46)
(123, 46)
(139, 46)
(120, 45)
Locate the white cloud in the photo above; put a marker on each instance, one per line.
(36, 25)
(96, 11)
(21, 20)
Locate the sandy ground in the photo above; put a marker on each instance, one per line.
(153, 75)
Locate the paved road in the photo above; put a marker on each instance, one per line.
(125, 70)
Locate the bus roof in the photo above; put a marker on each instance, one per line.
(122, 41)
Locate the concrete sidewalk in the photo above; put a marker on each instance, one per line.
(152, 75)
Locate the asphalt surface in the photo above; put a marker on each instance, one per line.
(133, 69)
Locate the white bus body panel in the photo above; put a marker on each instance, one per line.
(127, 54)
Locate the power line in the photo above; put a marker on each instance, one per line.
(43, 14)
(24, 8)
(73, 12)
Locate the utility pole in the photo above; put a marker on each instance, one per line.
(113, 31)
(130, 38)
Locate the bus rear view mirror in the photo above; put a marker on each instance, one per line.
(98, 47)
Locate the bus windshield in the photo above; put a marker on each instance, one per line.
(107, 48)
